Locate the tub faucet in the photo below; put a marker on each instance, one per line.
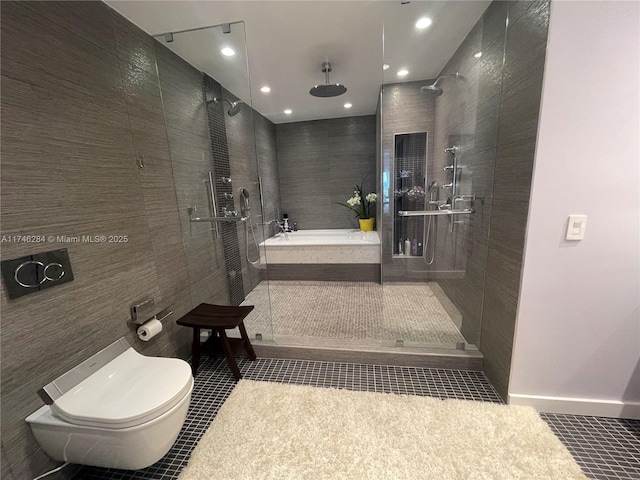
(281, 227)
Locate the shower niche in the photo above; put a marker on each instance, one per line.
(410, 193)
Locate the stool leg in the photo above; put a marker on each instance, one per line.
(247, 344)
(195, 351)
(231, 360)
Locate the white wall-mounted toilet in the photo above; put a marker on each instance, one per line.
(126, 414)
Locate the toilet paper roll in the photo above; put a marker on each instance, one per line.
(149, 330)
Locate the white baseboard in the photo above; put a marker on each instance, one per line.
(578, 406)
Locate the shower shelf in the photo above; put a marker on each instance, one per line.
(431, 213)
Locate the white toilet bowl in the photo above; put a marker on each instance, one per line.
(125, 415)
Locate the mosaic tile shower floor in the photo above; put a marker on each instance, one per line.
(350, 310)
(604, 448)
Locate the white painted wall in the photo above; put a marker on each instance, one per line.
(577, 342)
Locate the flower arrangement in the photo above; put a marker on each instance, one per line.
(361, 204)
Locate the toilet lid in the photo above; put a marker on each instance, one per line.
(130, 390)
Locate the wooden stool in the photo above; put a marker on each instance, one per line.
(218, 318)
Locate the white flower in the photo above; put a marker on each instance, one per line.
(372, 197)
(354, 201)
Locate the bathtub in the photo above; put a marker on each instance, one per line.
(336, 255)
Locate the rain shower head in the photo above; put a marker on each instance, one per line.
(234, 107)
(432, 90)
(328, 89)
(435, 89)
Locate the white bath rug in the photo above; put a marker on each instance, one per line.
(276, 431)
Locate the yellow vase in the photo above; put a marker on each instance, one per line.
(366, 224)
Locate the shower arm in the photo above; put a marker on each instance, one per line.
(455, 75)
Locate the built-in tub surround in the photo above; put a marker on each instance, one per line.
(322, 246)
(334, 254)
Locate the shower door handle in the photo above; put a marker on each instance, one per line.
(213, 204)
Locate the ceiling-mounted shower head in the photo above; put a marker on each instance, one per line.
(434, 89)
(234, 107)
(328, 89)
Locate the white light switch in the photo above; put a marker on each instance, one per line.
(576, 227)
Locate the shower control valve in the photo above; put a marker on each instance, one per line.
(229, 213)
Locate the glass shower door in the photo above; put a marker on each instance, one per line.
(435, 161)
(206, 96)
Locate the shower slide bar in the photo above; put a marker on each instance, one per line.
(432, 213)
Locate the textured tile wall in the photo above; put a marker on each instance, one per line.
(244, 172)
(319, 163)
(81, 104)
(265, 132)
(228, 231)
(524, 57)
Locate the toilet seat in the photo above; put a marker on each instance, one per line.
(128, 391)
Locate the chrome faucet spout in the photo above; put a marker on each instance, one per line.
(282, 229)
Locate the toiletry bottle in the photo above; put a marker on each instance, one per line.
(295, 227)
(414, 247)
(400, 247)
(419, 249)
(407, 247)
(285, 222)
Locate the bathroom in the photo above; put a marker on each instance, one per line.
(124, 131)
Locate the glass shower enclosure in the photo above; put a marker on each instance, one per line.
(206, 95)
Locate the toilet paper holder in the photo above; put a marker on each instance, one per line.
(144, 311)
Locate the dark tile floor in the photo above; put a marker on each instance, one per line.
(604, 448)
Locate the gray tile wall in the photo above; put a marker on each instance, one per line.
(319, 163)
(492, 114)
(81, 102)
(517, 128)
(242, 143)
(265, 133)
(227, 231)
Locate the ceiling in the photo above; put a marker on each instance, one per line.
(287, 41)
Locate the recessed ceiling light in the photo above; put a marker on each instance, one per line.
(288, 111)
(228, 52)
(478, 55)
(424, 22)
(385, 66)
(265, 89)
(403, 73)
(347, 105)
